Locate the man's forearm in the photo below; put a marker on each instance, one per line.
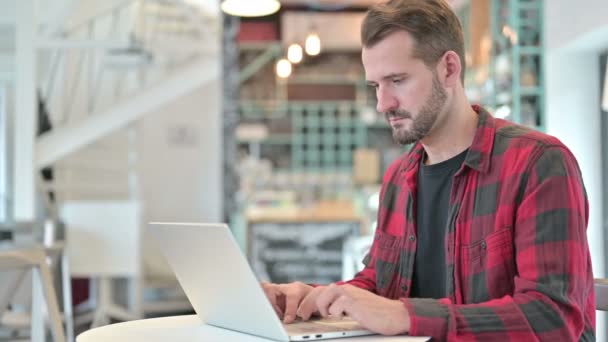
(366, 279)
(526, 316)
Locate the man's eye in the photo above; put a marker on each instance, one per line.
(397, 80)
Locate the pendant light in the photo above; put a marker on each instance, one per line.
(294, 53)
(283, 68)
(312, 44)
(250, 8)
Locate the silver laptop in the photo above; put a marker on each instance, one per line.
(223, 290)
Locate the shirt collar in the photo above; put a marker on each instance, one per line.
(480, 152)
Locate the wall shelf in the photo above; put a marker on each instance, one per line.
(518, 60)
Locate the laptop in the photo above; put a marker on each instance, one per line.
(223, 290)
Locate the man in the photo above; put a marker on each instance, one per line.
(482, 225)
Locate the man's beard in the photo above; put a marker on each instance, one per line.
(423, 123)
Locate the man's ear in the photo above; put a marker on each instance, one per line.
(450, 68)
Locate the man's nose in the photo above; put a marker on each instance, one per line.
(386, 101)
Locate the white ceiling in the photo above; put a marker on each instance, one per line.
(330, 2)
(346, 3)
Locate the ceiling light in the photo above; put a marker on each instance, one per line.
(313, 44)
(283, 68)
(250, 8)
(294, 53)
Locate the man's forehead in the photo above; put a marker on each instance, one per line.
(397, 45)
(380, 63)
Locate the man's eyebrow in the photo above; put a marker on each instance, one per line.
(393, 75)
(387, 77)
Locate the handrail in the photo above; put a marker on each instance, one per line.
(121, 4)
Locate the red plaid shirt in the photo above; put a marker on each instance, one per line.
(517, 257)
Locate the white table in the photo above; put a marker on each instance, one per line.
(189, 328)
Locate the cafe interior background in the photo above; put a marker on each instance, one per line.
(117, 113)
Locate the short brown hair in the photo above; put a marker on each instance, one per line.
(432, 23)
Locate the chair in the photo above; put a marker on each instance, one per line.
(22, 259)
(601, 294)
(353, 252)
(104, 244)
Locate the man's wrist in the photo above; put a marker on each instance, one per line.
(404, 316)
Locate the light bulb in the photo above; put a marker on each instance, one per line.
(294, 53)
(313, 44)
(249, 8)
(283, 68)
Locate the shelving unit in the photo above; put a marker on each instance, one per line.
(325, 135)
(516, 69)
(322, 136)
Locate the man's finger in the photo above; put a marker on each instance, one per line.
(326, 298)
(278, 310)
(292, 301)
(273, 294)
(338, 308)
(277, 302)
(308, 305)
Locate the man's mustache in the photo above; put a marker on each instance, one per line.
(401, 114)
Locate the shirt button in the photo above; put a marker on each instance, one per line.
(412, 238)
(404, 287)
(483, 245)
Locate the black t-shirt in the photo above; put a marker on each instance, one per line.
(434, 187)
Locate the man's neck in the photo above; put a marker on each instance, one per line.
(454, 135)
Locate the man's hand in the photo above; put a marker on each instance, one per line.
(376, 313)
(285, 298)
(308, 306)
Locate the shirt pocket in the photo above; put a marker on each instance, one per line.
(488, 267)
(387, 253)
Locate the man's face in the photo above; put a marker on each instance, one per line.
(409, 94)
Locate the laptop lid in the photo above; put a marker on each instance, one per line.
(217, 279)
